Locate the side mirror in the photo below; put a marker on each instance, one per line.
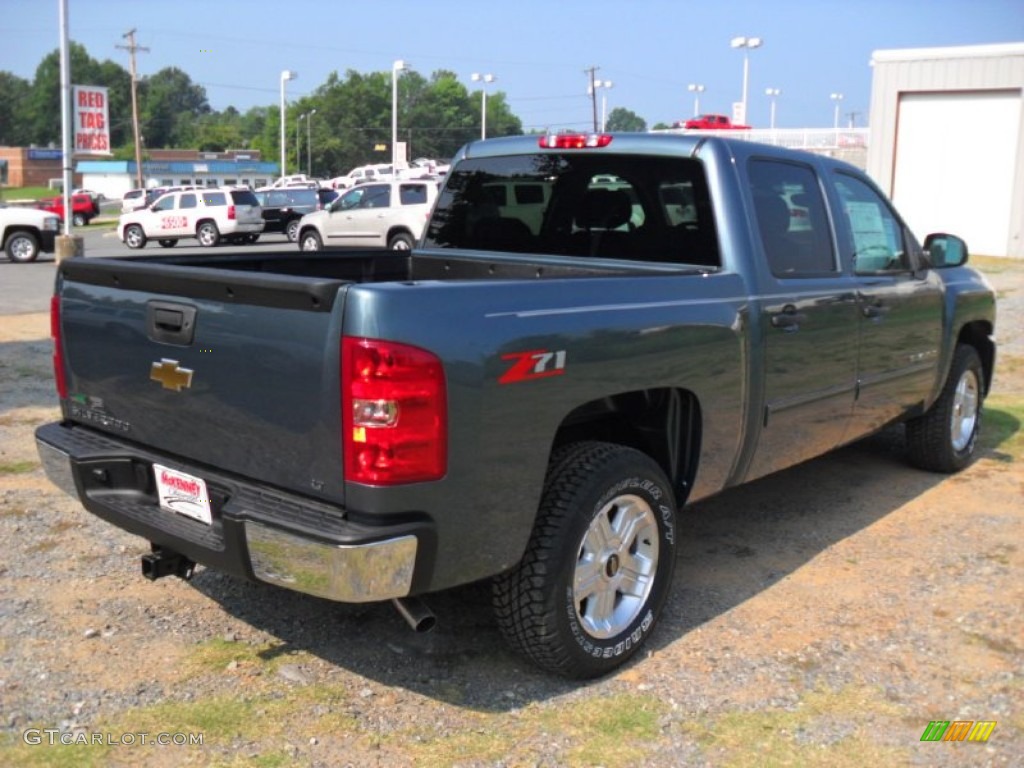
(945, 250)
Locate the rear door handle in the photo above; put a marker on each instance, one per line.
(788, 319)
(875, 309)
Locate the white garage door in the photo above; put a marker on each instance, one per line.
(955, 159)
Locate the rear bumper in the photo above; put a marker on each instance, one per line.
(258, 532)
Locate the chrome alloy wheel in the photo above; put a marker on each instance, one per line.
(615, 569)
(965, 410)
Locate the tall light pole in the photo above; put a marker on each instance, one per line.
(772, 93)
(604, 100)
(298, 143)
(286, 75)
(696, 89)
(837, 98)
(397, 67)
(746, 43)
(476, 77)
(309, 142)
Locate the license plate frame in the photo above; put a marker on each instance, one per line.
(183, 494)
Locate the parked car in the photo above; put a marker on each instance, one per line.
(132, 200)
(84, 208)
(362, 175)
(26, 232)
(388, 214)
(209, 215)
(284, 207)
(712, 122)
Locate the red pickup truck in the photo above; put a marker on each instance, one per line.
(84, 208)
(712, 122)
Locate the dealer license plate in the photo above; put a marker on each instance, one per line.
(182, 493)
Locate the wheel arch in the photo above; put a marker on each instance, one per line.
(664, 423)
(978, 334)
(399, 229)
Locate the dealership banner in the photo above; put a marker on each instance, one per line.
(91, 120)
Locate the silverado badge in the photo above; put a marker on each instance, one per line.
(171, 375)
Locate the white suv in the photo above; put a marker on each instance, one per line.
(388, 214)
(209, 215)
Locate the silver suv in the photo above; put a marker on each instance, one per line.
(388, 214)
(209, 215)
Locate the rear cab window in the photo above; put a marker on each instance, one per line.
(632, 207)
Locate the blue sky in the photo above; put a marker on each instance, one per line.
(651, 50)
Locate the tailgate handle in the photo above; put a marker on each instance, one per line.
(169, 322)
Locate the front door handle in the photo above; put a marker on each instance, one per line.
(875, 309)
(788, 319)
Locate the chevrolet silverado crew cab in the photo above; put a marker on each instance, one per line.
(389, 214)
(27, 232)
(528, 397)
(209, 215)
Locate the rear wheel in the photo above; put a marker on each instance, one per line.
(944, 438)
(292, 230)
(311, 241)
(168, 243)
(134, 236)
(402, 241)
(598, 565)
(22, 247)
(208, 234)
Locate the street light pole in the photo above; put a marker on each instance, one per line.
(837, 98)
(397, 67)
(298, 143)
(696, 89)
(286, 75)
(772, 93)
(746, 43)
(604, 100)
(309, 143)
(476, 77)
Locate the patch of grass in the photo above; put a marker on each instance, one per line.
(827, 729)
(18, 467)
(1003, 427)
(995, 264)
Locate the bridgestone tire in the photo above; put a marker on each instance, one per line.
(598, 566)
(208, 234)
(943, 439)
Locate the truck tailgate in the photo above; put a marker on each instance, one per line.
(236, 370)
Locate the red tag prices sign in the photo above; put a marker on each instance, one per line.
(92, 121)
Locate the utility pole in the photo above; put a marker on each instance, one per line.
(132, 48)
(852, 117)
(593, 92)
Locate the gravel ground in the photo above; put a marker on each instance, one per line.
(821, 616)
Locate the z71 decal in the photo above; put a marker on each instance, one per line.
(535, 364)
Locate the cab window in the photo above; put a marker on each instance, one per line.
(791, 219)
(877, 236)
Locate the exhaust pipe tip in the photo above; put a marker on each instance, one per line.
(415, 613)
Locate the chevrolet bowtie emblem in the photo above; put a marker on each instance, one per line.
(170, 375)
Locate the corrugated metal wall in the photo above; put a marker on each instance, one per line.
(953, 71)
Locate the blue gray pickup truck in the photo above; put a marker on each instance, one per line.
(593, 331)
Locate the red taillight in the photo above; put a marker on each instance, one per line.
(58, 348)
(231, 212)
(574, 140)
(394, 413)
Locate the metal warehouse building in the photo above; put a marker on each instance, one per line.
(947, 141)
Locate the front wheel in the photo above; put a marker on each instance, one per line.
(208, 234)
(79, 220)
(598, 565)
(943, 439)
(134, 236)
(311, 241)
(22, 247)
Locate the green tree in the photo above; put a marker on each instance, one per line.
(624, 120)
(14, 96)
(42, 113)
(169, 103)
